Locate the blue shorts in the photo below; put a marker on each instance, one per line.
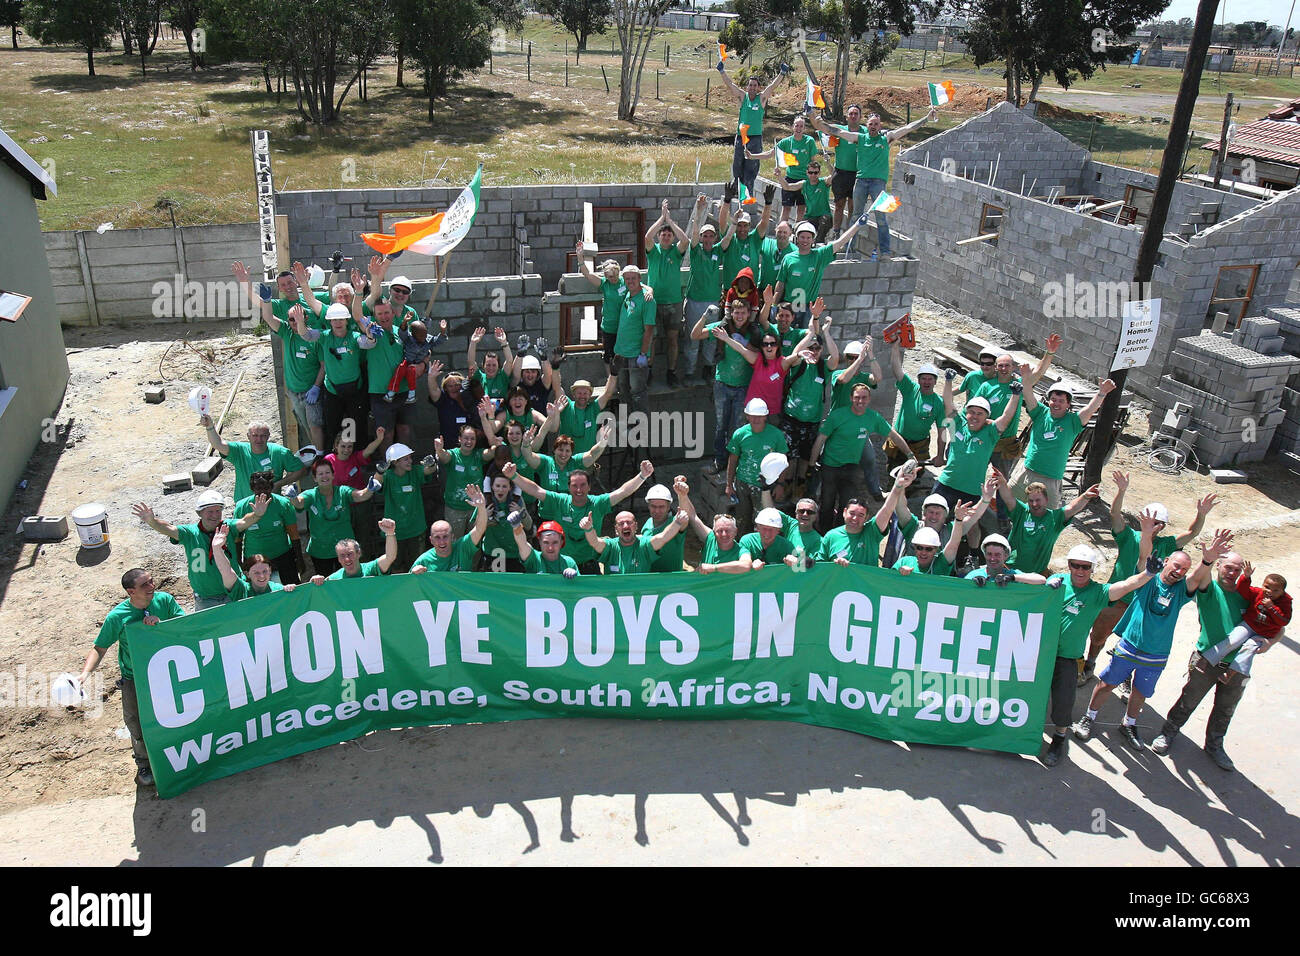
(1121, 668)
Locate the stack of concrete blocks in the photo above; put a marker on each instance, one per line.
(1286, 441)
(524, 251)
(1235, 396)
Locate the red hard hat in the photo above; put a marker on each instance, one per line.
(551, 526)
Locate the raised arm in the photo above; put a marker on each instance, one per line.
(722, 335)
(896, 493)
(1202, 509)
(1013, 403)
(632, 484)
(221, 559)
(474, 495)
(1117, 523)
(145, 514)
(652, 232)
(526, 485)
(675, 527)
(584, 268)
(1211, 553)
(594, 540)
(902, 131)
(847, 236)
(1086, 497)
(214, 436)
(1104, 388)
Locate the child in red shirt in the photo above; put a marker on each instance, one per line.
(1268, 611)
(351, 466)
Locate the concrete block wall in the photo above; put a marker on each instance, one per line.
(115, 282)
(1236, 396)
(1109, 181)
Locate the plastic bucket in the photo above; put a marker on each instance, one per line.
(92, 525)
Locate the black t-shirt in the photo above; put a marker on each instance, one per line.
(452, 417)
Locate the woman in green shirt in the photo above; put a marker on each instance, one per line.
(256, 579)
(329, 514)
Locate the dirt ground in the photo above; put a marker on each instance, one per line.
(112, 447)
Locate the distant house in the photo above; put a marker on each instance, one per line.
(1266, 152)
(33, 364)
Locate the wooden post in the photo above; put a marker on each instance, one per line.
(603, 76)
(87, 282)
(1223, 140)
(1091, 133)
(566, 71)
(708, 80)
(657, 84)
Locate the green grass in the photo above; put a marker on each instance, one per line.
(119, 143)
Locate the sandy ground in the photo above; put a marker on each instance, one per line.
(576, 791)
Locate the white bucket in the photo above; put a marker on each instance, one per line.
(92, 525)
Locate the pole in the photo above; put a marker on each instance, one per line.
(1277, 67)
(1223, 140)
(566, 71)
(1091, 133)
(707, 81)
(1099, 448)
(656, 84)
(606, 78)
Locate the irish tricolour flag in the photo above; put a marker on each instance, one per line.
(941, 93)
(884, 202)
(814, 96)
(434, 235)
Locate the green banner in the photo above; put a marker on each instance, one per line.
(930, 660)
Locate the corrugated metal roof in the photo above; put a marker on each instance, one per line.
(1265, 139)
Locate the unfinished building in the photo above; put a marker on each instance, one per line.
(1021, 228)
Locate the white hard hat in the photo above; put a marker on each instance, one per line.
(1081, 552)
(530, 361)
(743, 216)
(404, 282)
(988, 352)
(397, 450)
(658, 493)
(710, 227)
(756, 406)
(316, 277)
(1063, 389)
(805, 227)
(308, 454)
(928, 369)
(993, 539)
(980, 402)
(939, 500)
(852, 348)
(769, 518)
(338, 311)
(927, 537)
(1158, 511)
(773, 466)
(208, 499)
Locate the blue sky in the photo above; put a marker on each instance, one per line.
(1270, 11)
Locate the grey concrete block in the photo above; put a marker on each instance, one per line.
(45, 527)
(155, 395)
(206, 471)
(177, 482)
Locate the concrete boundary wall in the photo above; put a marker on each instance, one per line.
(113, 276)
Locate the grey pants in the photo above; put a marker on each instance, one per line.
(1228, 686)
(131, 715)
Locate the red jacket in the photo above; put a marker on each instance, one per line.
(1264, 621)
(751, 296)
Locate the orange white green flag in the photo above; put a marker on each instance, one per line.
(814, 96)
(941, 93)
(884, 202)
(434, 235)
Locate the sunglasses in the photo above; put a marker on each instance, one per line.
(988, 362)
(1078, 566)
(805, 511)
(924, 547)
(769, 345)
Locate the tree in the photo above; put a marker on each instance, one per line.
(447, 38)
(855, 27)
(140, 22)
(87, 24)
(11, 14)
(185, 15)
(635, 21)
(582, 18)
(1064, 39)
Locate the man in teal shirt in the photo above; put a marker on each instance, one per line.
(259, 453)
(629, 552)
(857, 541)
(799, 276)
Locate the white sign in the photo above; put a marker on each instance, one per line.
(1137, 336)
(265, 201)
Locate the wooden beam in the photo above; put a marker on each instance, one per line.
(986, 236)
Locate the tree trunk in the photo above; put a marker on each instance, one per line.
(400, 84)
(127, 46)
(90, 59)
(266, 77)
(143, 54)
(1033, 92)
(13, 35)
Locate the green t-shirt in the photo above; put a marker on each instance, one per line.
(706, 274)
(636, 558)
(557, 506)
(968, 457)
(802, 148)
(807, 395)
(752, 545)
(809, 540)
(817, 198)
(1129, 543)
(1032, 539)
(743, 254)
(1220, 611)
(536, 564)
(917, 413)
(342, 358)
(244, 589)
(771, 257)
(553, 476)
(463, 469)
(713, 555)
(496, 386)
(873, 155)
(998, 394)
(1079, 609)
(670, 556)
(327, 525)
(461, 558)
(404, 501)
(113, 631)
(1050, 440)
(382, 360)
(611, 304)
(580, 424)
(846, 153)
(802, 275)
(634, 315)
(971, 383)
(861, 548)
(205, 578)
(846, 434)
(751, 447)
(732, 368)
(664, 273)
(276, 459)
(751, 115)
(269, 535)
(367, 569)
(842, 386)
(301, 359)
(940, 567)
